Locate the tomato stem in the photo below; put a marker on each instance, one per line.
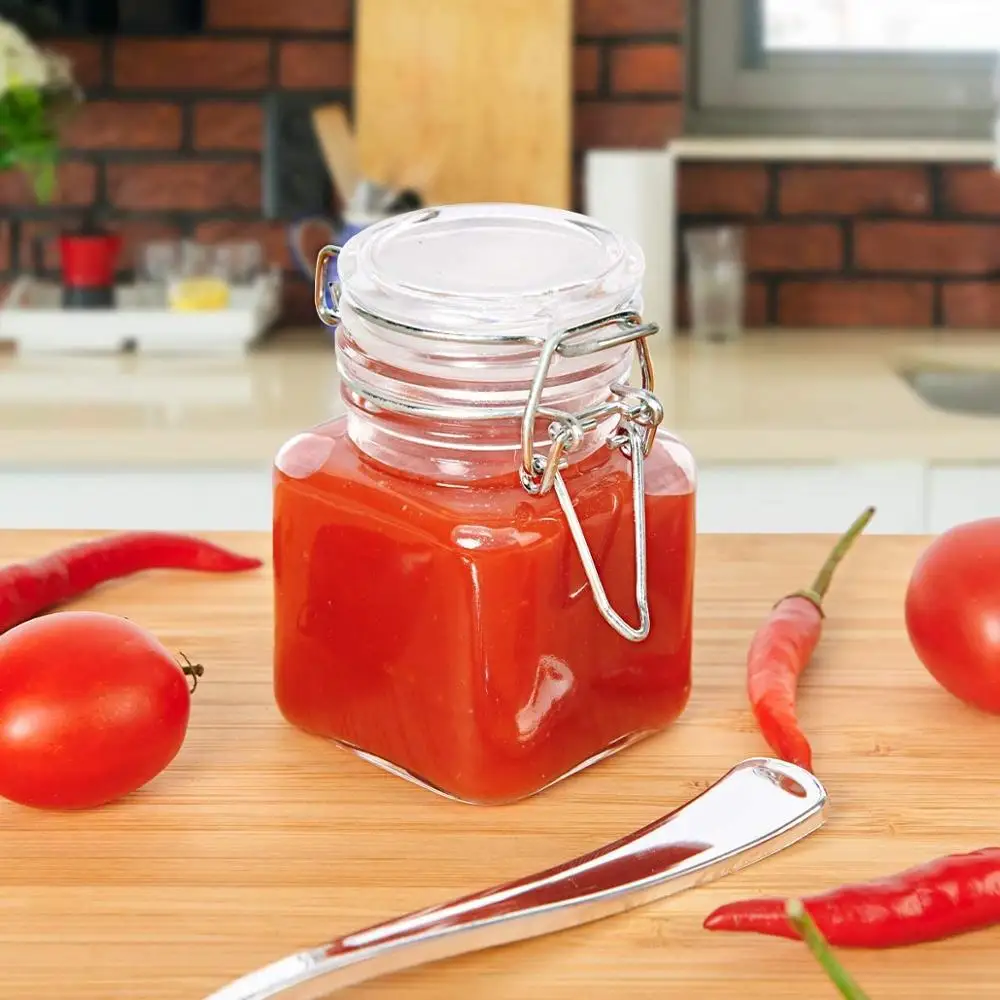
(192, 670)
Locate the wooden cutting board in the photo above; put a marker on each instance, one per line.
(260, 840)
(469, 100)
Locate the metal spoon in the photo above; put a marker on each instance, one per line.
(758, 808)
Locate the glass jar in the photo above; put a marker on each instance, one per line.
(467, 591)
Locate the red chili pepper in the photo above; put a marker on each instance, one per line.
(782, 648)
(29, 588)
(939, 899)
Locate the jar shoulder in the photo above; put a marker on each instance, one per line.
(670, 466)
(326, 467)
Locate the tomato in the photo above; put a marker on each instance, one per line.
(92, 707)
(953, 612)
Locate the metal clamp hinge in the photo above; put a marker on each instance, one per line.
(639, 412)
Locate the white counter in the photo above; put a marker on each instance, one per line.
(792, 431)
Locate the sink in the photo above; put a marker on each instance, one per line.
(956, 390)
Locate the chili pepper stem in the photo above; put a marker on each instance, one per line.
(192, 670)
(817, 944)
(824, 578)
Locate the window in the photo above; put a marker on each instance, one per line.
(887, 68)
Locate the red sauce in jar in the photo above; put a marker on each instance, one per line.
(448, 628)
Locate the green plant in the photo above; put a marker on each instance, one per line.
(36, 91)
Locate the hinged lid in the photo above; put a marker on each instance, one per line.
(489, 272)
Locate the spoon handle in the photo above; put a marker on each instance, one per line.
(758, 808)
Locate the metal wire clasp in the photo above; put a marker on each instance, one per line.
(326, 292)
(639, 412)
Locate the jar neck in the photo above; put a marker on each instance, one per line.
(451, 392)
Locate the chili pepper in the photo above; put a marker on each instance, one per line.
(782, 648)
(935, 900)
(29, 588)
(820, 948)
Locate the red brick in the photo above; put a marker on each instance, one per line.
(76, 185)
(647, 69)
(791, 246)
(315, 65)
(134, 233)
(972, 190)
(285, 15)
(927, 247)
(623, 125)
(754, 306)
(908, 304)
(124, 125)
(228, 125)
(728, 189)
(194, 186)
(271, 236)
(972, 304)
(627, 17)
(586, 68)
(87, 58)
(5, 261)
(854, 191)
(198, 63)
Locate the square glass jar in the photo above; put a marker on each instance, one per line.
(484, 571)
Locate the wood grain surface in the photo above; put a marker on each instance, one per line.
(465, 100)
(260, 840)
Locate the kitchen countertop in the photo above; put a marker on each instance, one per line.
(771, 397)
(260, 840)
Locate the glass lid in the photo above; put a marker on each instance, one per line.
(490, 271)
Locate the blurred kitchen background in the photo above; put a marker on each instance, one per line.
(813, 182)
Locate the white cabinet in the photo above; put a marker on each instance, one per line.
(811, 498)
(164, 499)
(633, 192)
(960, 493)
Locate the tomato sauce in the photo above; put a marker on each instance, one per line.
(448, 628)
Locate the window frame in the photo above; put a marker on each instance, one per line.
(735, 90)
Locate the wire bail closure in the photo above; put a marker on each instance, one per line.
(639, 411)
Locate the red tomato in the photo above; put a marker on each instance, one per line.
(91, 708)
(953, 612)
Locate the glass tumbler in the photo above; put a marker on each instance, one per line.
(196, 284)
(239, 262)
(716, 282)
(158, 260)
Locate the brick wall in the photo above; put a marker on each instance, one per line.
(169, 141)
(629, 62)
(912, 245)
